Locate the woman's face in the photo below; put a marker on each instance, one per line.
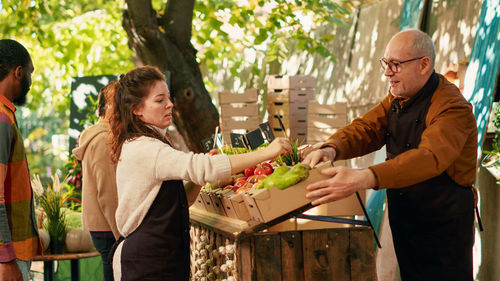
(156, 107)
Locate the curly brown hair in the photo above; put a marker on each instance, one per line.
(129, 93)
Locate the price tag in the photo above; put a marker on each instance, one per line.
(208, 143)
(254, 138)
(267, 131)
(237, 140)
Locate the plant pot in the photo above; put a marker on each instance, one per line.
(56, 246)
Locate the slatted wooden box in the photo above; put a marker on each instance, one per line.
(290, 82)
(324, 120)
(236, 252)
(238, 112)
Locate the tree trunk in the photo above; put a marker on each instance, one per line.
(165, 42)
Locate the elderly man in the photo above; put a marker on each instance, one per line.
(19, 241)
(430, 135)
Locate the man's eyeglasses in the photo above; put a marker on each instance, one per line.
(394, 66)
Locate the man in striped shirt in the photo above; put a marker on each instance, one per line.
(19, 241)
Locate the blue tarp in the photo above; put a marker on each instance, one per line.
(482, 72)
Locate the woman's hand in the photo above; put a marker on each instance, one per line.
(279, 146)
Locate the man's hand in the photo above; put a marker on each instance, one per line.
(316, 156)
(343, 182)
(9, 271)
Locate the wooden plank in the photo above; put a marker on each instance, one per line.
(267, 257)
(291, 95)
(289, 121)
(250, 95)
(226, 226)
(251, 123)
(292, 260)
(245, 259)
(286, 108)
(239, 109)
(362, 254)
(338, 108)
(326, 121)
(326, 255)
(290, 82)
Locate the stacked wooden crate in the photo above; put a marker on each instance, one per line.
(287, 98)
(324, 119)
(239, 112)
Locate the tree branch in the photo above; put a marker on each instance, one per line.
(177, 21)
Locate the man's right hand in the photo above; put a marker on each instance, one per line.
(319, 155)
(9, 271)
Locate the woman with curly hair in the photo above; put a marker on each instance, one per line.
(152, 215)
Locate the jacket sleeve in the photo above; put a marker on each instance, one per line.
(450, 124)
(105, 176)
(6, 135)
(364, 135)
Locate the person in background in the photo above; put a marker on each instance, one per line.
(19, 241)
(430, 135)
(99, 198)
(152, 214)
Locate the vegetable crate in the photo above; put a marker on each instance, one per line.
(265, 205)
(287, 98)
(238, 112)
(344, 254)
(323, 120)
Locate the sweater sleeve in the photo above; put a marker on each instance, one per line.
(7, 252)
(196, 167)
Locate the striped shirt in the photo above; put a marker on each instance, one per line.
(18, 232)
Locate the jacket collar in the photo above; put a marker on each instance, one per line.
(7, 103)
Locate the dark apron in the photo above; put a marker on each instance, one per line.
(159, 248)
(432, 222)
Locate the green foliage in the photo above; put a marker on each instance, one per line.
(79, 38)
(223, 30)
(65, 39)
(52, 200)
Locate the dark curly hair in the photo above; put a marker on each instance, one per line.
(12, 55)
(129, 93)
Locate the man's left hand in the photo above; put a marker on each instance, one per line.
(343, 183)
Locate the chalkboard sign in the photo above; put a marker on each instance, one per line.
(267, 131)
(237, 140)
(254, 139)
(208, 143)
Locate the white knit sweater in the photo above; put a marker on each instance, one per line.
(143, 165)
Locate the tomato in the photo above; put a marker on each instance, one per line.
(240, 179)
(240, 183)
(249, 171)
(264, 169)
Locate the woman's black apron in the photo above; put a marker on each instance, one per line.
(159, 248)
(432, 222)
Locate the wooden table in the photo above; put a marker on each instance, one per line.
(48, 263)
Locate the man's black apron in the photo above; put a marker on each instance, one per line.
(159, 248)
(432, 222)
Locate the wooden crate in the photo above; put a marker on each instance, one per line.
(238, 112)
(324, 120)
(249, 96)
(290, 82)
(290, 95)
(344, 254)
(286, 108)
